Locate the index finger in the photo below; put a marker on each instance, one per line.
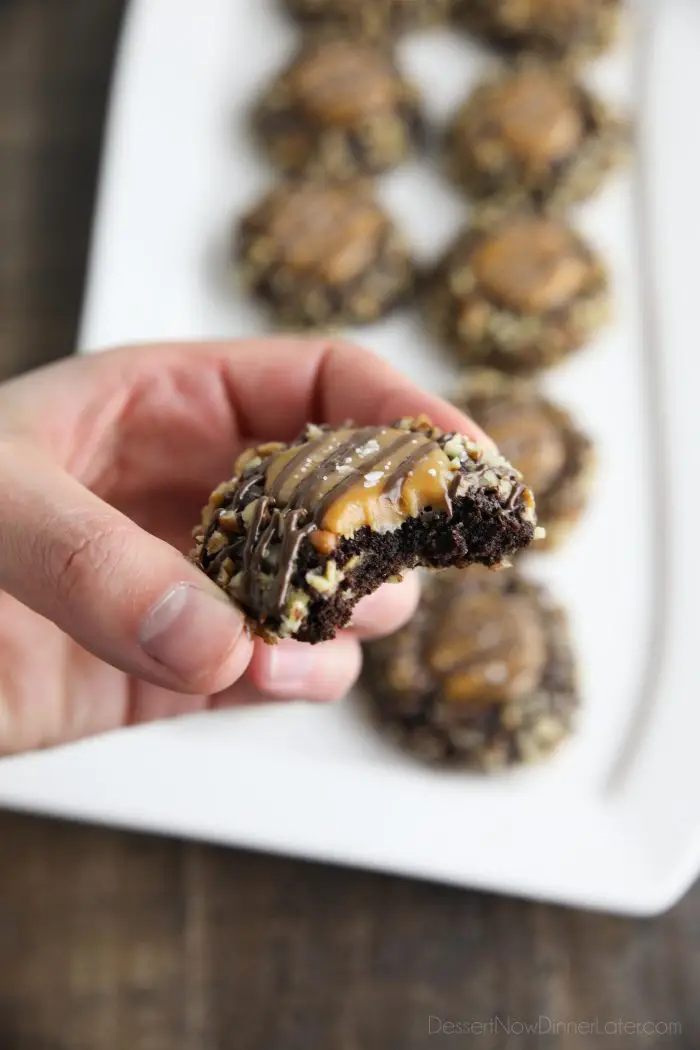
(276, 385)
(280, 384)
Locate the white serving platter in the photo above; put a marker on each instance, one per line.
(613, 822)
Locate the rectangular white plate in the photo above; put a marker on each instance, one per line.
(614, 821)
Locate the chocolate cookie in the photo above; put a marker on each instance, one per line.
(517, 292)
(482, 676)
(322, 254)
(371, 18)
(301, 532)
(533, 133)
(541, 440)
(341, 109)
(570, 30)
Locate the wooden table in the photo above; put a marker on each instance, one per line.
(111, 940)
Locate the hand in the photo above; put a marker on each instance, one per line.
(105, 462)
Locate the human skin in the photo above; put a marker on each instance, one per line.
(105, 462)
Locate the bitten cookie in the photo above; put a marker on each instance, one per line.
(371, 18)
(541, 440)
(301, 532)
(482, 676)
(517, 292)
(341, 109)
(533, 133)
(564, 30)
(323, 254)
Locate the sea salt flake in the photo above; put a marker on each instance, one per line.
(372, 478)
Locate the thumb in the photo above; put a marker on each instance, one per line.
(128, 597)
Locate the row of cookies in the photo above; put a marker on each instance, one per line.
(485, 675)
(562, 30)
(361, 264)
(343, 109)
(517, 291)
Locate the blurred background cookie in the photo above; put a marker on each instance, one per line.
(340, 109)
(534, 132)
(374, 18)
(518, 292)
(540, 439)
(483, 675)
(560, 29)
(323, 254)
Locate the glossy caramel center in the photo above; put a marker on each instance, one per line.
(488, 648)
(339, 83)
(532, 265)
(536, 115)
(349, 478)
(528, 437)
(327, 230)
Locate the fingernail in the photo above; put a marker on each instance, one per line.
(290, 668)
(190, 631)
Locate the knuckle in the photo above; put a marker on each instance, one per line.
(73, 568)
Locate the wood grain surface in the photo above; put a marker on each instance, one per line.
(111, 940)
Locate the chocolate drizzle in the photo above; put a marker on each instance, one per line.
(295, 501)
(395, 477)
(335, 482)
(309, 490)
(281, 527)
(305, 451)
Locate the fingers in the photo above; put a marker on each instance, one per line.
(277, 674)
(220, 383)
(291, 670)
(169, 420)
(122, 594)
(325, 672)
(387, 609)
(351, 382)
(325, 382)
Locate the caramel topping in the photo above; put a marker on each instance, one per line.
(348, 478)
(571, 13)
(328, 229)
(488, 648)
(324, 542)
(367, 502)
(528, 437)
(532, 265)
(340, 83)
(536, 114)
